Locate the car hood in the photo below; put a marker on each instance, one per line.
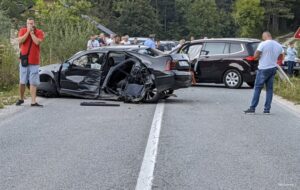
(52, 67)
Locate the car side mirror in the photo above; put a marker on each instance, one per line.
(204, 52)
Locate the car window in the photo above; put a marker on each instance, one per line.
(236, 47)
(194, 51)
(252, 47)
(91, 61)
(214, 48)
(226, 50)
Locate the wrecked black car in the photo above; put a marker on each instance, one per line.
(122, 73)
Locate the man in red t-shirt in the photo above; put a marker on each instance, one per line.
(30, 39)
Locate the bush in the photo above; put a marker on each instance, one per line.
(8, 65)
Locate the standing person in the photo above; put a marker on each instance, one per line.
(135, 41)
(150, 41)
(93, 43)
(110, 39)
(268, 52)
(125, 40)
(159, 46)
(29, 39)
(291, 58)
(192, 38)
(102, 39)
(116, 41)
(181, 42)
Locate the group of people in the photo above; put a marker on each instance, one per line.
(101, 40)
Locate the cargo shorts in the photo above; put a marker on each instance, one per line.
(30, 74)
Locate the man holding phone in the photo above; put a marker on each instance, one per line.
(30, 39)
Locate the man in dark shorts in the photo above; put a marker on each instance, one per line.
(30, 39)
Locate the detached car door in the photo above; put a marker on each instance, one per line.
(81, 76)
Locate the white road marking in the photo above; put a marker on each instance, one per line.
(145, 178)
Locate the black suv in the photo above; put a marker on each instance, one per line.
(223, 60)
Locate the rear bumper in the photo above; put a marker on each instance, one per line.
(183, 79)
(249, 76)
(174, 80)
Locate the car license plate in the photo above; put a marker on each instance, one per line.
(183, 64)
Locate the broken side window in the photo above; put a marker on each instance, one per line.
(91, 61)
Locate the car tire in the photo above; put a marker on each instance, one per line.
(152, 96)
(251, 84)
(233, 79)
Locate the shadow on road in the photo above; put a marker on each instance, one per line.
(219, 86)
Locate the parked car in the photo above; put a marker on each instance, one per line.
(128, 75)
(222, 60)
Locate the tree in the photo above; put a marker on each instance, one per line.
(202, 19)
(14, 9)
(249, 16)
(136, 18)
(65, 31)
(277, 10)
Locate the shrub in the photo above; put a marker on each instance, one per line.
(8, 65)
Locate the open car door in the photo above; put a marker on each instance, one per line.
(81, 76)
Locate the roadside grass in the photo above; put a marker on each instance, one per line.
(9, 96)
(285, 90)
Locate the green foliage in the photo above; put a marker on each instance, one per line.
(249, 16)
(285, 90)
(298, 47)
(14, 9)
(276, 11)
(203, 18)
(8, 64)
(65, 31)
(136, 18)
(5, 26)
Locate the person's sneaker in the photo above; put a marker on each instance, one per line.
(37, 105)
(19, 102)
(249, 111)
(266, 112)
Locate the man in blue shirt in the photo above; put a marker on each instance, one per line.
(291, 55)
(150, 41)
(268, 53)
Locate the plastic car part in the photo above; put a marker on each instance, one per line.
(97, 104)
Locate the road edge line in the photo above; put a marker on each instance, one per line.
(144, 181)
(288, 105)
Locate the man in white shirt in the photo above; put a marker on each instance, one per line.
(268, 52)
(291, 55)
(93, 43)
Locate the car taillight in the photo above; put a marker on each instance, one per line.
(250, 58)
(170, 65)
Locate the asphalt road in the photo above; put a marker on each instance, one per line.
(205, 142)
